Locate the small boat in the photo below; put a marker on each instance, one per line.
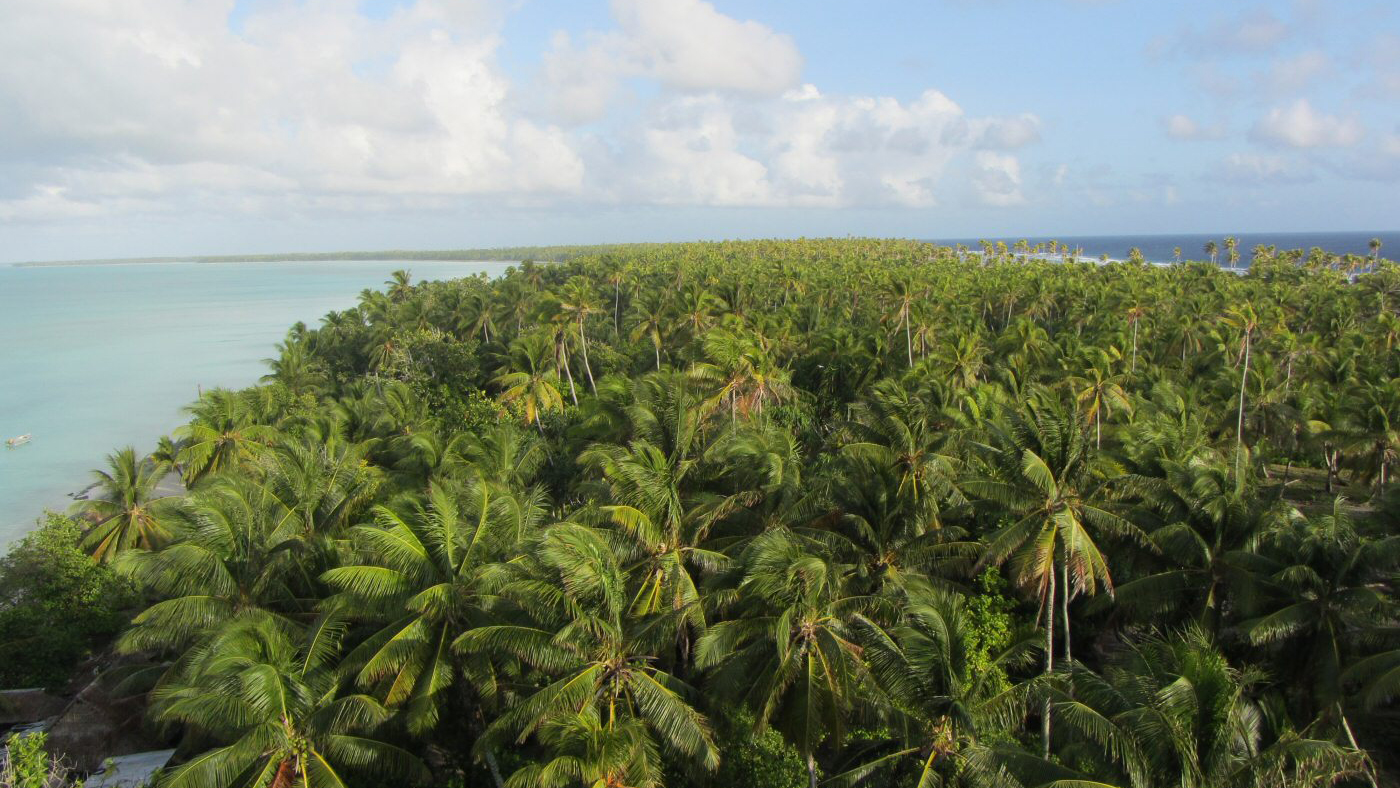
(17, 441)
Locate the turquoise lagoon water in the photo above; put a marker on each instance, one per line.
(96, 357)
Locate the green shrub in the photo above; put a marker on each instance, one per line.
(26, 764)
(56, 606)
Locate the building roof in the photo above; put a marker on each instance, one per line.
(129, 771)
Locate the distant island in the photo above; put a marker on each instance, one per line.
(502, 254)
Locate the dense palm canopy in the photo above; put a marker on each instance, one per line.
(884, 508)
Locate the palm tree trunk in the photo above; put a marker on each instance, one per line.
(811, 771)
(1135, 327)
(286, 775)
(1064, 609)
(1049, 664)
(617, 308)
(564, 362)
(583, 341)
(495, 769)
(657, 347)
(1351, 739)
(908, 340)
(1239, 430)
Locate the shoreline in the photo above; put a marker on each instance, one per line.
(198, 261)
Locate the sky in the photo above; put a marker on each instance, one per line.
(183, 127)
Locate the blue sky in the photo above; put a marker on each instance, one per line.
(177, 127)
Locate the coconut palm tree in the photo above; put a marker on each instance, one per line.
(1098, 394)
(530, 382)
(1326, 595)
(125, 506)
(580, 634)
(1244, 320)
(792, 657)
(429, 575)
(578, 302)
(650, 321)
(1057, 494)
(1174, 711)
(948, 696)
(902, 305)
(270, 699)
(224, 432)
(400, 284)
(236, 555)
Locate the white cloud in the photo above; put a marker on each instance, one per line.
(685, 45)
(809, 149)
(1007, 133)
(1182, 127)
(1250, 169)
(1390, 146)
(1292, 75)
(1252, 32)
(1298, 125)
(168, 94)
(311, 107)
(1382, 55)
(997, 179)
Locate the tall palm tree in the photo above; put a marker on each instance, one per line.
(224, 432)
(1057, 492)
(1327, 594)
(1212, 519)
(597, 656)
(1173, 711)
(428, 575)
(948, 696)
(578, 302)
(745, 370)
(236, 556)
(1098, 394)
(530, 382)
(902, 302)
(792, 656)
(400, 284)
(1232, 250)
(1213, 251)
(1243, 319)
(650, 496)
(651, 322)
(125, 506)
(270, 699)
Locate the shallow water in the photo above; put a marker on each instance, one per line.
(96, 357)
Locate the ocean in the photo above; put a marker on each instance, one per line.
(1158, 248)
(97, 357)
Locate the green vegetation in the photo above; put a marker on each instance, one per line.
(838, 512)
(56, 606)
(24, 763)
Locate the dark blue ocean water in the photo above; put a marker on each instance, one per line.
(1158, 248)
